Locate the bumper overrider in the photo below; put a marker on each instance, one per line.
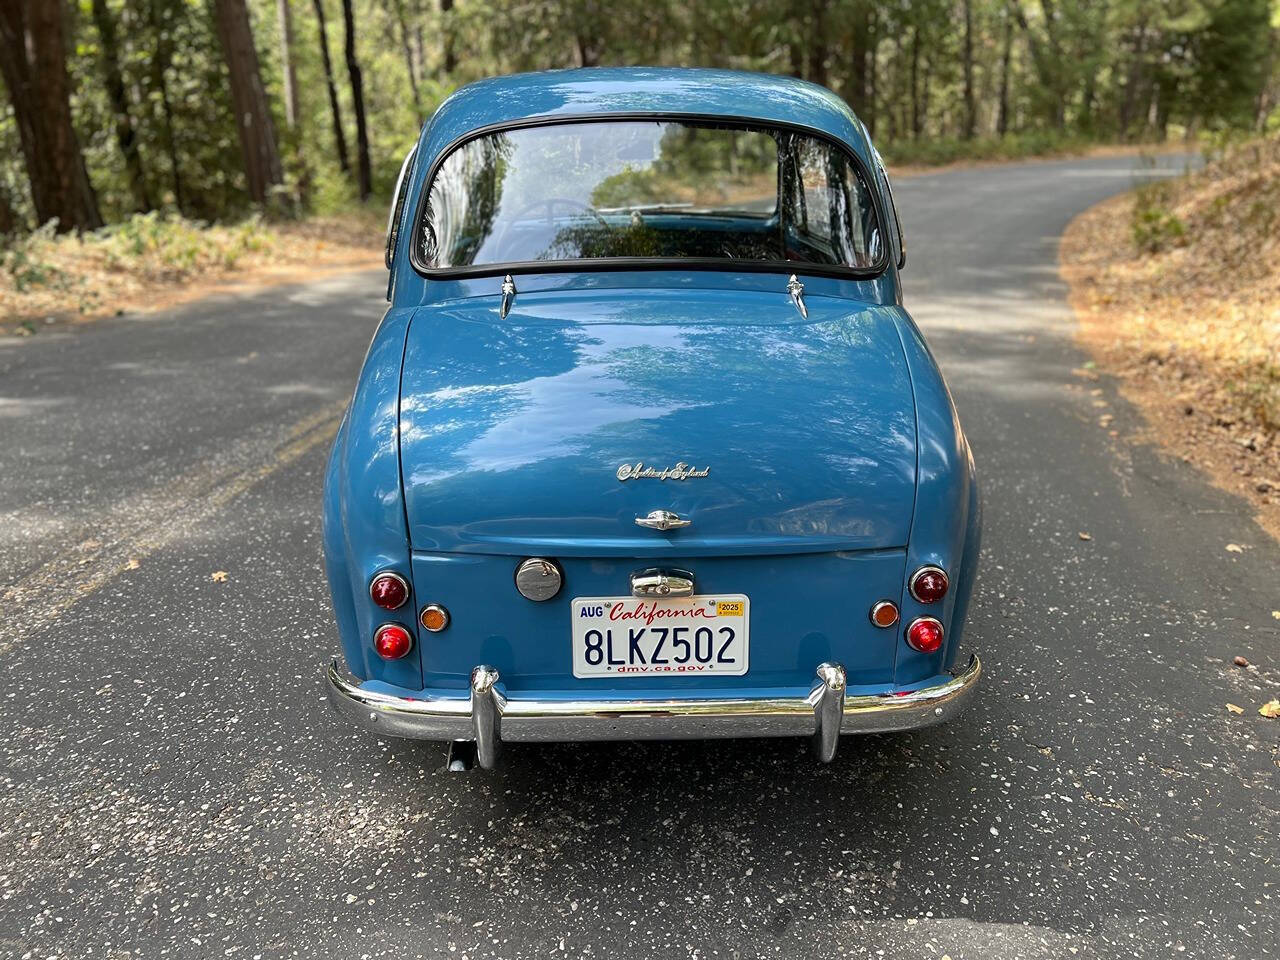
(488, 716)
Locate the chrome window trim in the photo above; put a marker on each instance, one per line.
(648, 263)
(901, 261)
(398, 197)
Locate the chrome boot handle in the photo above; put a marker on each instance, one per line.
(662, 583)
(662, 520)
(796, 289)
(508, 295)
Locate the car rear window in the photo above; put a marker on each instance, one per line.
(648, 189)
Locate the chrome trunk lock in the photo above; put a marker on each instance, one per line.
(663, 520)
(654, 583)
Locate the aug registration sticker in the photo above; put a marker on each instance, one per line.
(685, 636)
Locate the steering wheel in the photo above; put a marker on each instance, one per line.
(549, 204)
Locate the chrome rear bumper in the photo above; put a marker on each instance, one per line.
(488, 716)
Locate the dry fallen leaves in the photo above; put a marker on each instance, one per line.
(1191, 330)
(1234, 709)
(219, 576)
(1234, 548)
(1085, 536)
(1270, 710)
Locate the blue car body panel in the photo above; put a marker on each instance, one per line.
(810, 425)
(838, 465)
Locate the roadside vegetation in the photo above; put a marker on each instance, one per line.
(943, 151)
(260, 115)
(1177, 286)
(154, 260)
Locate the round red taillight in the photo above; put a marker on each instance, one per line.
(392, 641)
(388, 590)
(925, 635)
(929, 584)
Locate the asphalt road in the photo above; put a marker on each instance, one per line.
(174, 784)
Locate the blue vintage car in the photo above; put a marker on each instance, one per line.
(646, 446)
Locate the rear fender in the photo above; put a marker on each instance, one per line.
(946, 521)
(365, 528)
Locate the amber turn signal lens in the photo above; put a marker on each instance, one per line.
(929, 584)
(392, 641)
(925, 635)
(884, 613)
(388, 590)
(434, 617)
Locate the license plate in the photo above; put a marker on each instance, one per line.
(685, 636)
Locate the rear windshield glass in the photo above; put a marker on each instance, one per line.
(648, 189)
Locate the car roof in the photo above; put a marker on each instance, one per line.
(601, 91)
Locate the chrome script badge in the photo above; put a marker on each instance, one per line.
(681, 471)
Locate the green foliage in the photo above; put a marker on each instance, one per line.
(1155, 227)
(172, 244)
(26, 261)
(1054, 76)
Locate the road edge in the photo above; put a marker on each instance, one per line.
(1163, 426)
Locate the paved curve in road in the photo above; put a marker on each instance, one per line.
(173, 780)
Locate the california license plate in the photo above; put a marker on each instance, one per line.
(691, 636)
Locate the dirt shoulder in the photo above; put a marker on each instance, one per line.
(1177, 290)
(149, 263)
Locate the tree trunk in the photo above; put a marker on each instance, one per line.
(1088, 101)
(163, 54)
(249, 100)
(1129, 103)
(926, 87)
(817, 45)
(1002, 118)
(873, 42)
(1262, 104)
(896, 111)
(858, 61)
(33, 63)
(970, 105)
(408, 60)
(915, 83)
(364, 173)
(419, 48)
(339, 138)
(1052, 69)
(287, 66)
(126, 136)
(585, 52)
(1048, 63)
(448, 58)
(10, 221)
